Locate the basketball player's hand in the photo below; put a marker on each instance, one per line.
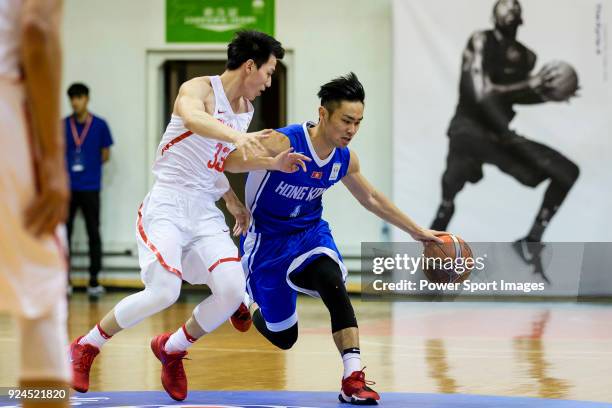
(241, 215)
(536, 81)
(427, 235)
(546, 82)
(543, 79)
(250, 143)
(50, 206)
(289, 162)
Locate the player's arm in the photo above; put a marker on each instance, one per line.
(538, 84)
(190, 107)
(375, 202)
(41, 59)
(277, 155)
(484, 87)
(530, 90)
(491, 99)
(240, 213)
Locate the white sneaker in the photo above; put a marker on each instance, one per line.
(96, 290)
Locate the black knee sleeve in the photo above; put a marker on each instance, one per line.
(283, 339)
(324, 276)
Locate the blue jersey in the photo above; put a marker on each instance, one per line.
(282, 203)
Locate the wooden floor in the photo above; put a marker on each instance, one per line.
(550, 350)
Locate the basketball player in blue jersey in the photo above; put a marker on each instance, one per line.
(289, 247)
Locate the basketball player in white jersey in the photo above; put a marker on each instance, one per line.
(34, 191)
(181, 233)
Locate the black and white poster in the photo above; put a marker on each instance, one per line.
(503, 118)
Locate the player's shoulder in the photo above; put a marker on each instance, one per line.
(199, 85)
(479, 36)
(481, 33)
(345, 154)
(349, 153)
(200, 80)
(351, 158)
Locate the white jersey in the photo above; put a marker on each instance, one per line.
(190, 161)
(10, 39)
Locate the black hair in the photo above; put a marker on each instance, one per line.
(78, 89)
(344, 88)
(255, 45)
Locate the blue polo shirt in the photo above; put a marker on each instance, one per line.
(98, 137)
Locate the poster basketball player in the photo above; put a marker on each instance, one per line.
(496, 74)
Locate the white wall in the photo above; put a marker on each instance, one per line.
(106, 44)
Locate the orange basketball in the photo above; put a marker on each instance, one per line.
(450, 262)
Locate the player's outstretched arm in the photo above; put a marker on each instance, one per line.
(190, 107)
(278, 156)
(41, 59)
(380, 205)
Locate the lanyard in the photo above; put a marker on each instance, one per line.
(79, 139)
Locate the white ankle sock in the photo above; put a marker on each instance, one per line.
(180, 340)
(95, 337)
(351, 358)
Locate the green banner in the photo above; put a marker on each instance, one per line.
(216, 21)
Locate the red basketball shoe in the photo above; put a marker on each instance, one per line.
(355, 390)
(81, 359)
(241, 319)
(173, 376)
